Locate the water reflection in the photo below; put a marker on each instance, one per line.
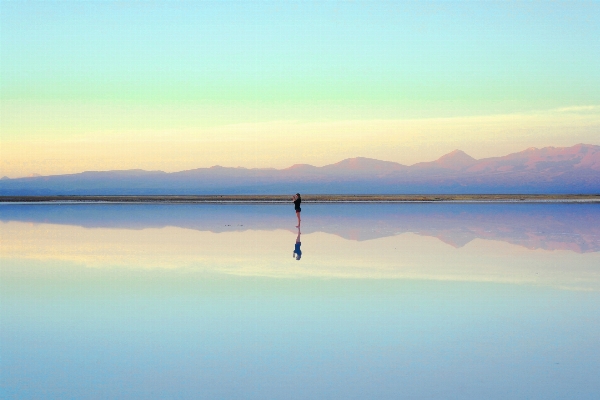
(548, 245)
(390, 301)
(573, 227)
(297, 252)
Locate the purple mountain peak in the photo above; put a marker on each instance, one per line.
(365, 164)
(457, 159)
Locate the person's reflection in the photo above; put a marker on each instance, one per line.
(297, 252)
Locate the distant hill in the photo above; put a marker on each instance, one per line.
(573, 169)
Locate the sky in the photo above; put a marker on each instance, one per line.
(171, 85)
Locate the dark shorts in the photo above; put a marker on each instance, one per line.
(298, 209)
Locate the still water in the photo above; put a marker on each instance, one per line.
(377, 301)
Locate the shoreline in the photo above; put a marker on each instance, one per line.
(285, 199)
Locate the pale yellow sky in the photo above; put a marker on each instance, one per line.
(39, 146)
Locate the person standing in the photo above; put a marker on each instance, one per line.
(297, 200)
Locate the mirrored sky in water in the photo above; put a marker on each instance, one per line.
(520, 243)
(386, 301)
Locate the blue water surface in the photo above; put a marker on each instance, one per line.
(77, 324)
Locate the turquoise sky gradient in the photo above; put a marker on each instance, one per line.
(505, 55)
(255, 62)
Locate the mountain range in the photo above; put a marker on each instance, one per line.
(552, 170)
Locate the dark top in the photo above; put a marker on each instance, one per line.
(297, 249)
(297, 203)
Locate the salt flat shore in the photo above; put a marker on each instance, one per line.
(319, 198)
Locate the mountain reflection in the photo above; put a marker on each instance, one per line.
(572, 227)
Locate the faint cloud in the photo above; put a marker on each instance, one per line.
(579, 108)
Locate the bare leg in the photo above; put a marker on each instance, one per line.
(298, 215)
